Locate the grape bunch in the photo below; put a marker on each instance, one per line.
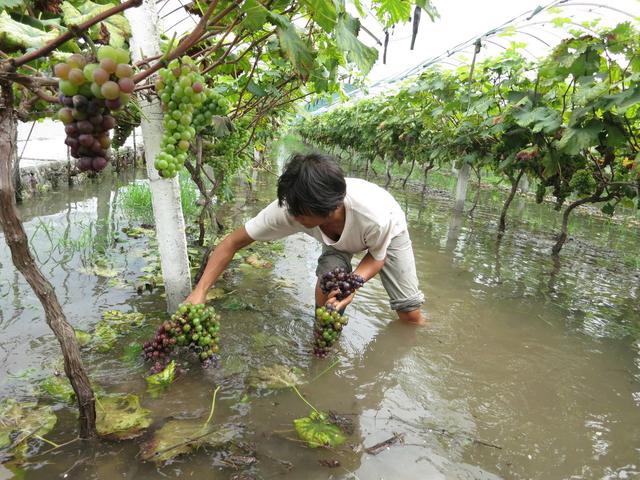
(88, 93)
(345, 282)
(214, 103)
(328, 327)
(192, 326)
(182, 90)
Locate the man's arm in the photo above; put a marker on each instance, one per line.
(218, 261)
(367, 269)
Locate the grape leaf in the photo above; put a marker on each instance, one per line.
(255, 15)
(58, 387)
(178, 437)
(275, 376)
(121, 417)
(323, 13)
(117, 25)
(7, 4)
(16, 36)
(539, 119)
(25, 419)
(161, 380)
(346, 36)
(318, 431)
(390, 12)
(298, 52)
(575, 139)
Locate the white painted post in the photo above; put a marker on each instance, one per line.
(461, 187)
(165, 193)
(524, 184)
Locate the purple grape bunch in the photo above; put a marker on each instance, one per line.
(193, 326)
(345, 282)
(89, 92)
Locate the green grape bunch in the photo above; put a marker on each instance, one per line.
(196, 327)
(182, 91)
(89, 93)
(214, 104)
(328, 328)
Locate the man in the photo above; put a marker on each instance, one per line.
(347, 216)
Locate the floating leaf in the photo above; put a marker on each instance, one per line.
(255, 261)
(276, 376)
(121, 417)
(132, 353)
(264, 340)
(178, 437)
(137, 232)
(83, 338)
(158, 382)
(58, 387)
(215, 294)
(318, 431)
(234, 365)
(23, 420)
(113, 324)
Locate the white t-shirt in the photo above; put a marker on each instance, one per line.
(373, 218)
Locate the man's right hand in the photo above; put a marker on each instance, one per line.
(196, 298)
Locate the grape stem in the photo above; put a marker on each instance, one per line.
(335, 362)
(213, 406)
(295, 389)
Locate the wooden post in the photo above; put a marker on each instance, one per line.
(461, 187)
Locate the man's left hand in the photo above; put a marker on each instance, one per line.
(339, 305)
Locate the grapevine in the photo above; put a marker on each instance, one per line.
(89, 92)
(181, 89)
(192, 326)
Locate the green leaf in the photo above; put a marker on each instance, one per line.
(256, 89)
(346, 36)
(178, 437)
(158, 382)
(323, 12)
(608, 209)
(58, 387)
(121, 417)
(83, 338)
(298, 53)
(255, 15)
(539, 119)
(275, 377)
(575, 139)
(8, 4)
(23, 419)
(113, 324)
(18, 36)
(390, 12)
(317, 431)
(117, 25)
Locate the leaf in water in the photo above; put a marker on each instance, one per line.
(158, 382)
(235, 304)
(234, 364)
(24, 419)
(58, 387)
(215, 294)
(276, 376)
(121, 417)
(255, 261)
(318, 431)
(132, 353)
(137, 232)
(178, 437)
(264, 340)
(113, 324)
(83, 338)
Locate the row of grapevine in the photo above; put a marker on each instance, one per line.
(570, 122)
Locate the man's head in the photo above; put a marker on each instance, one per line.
(312, 186)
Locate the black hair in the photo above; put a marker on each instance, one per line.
(311, 184)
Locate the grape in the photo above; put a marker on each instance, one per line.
(110, 90)
(85, 126)
(108, 65)
(88, 71)
(123, 70)
(86, 140)
(85, 163)
(80, 102)
(71, 130)
(96, 119)
(61, 70)
(65, 115)
(76, 76)
(76, 61)
(100, 76)
(108, 122)
(107, 51)
(99, 163)
(114, 104)
(71, 142)
(67, 88)
(339, 278)
(126, 85)
(78, 114)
